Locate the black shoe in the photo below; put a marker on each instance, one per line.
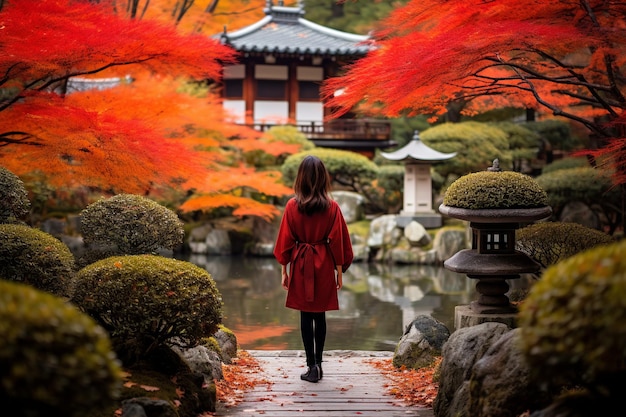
(312, 375)
(321, 371)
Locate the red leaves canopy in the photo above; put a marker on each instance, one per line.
(561, 55)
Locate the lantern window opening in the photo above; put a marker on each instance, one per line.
(493, 239)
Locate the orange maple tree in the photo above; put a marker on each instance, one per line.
(206, 16)
(138, 137)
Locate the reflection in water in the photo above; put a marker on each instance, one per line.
(376, 303)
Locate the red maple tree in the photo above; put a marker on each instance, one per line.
(561, 57)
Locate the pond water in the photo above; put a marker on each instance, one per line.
(376, 303)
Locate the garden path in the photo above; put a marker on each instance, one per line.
(350, 387)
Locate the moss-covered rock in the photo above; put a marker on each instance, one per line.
(14, 203)
(54, 360)
(574, 321)
(495, 190)
(146, 300)
(128, 224)
(34, 257)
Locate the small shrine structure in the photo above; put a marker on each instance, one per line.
(283, 60)
(418, 196)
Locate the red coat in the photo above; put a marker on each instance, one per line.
(302, 243)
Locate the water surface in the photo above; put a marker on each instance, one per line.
(376, 303)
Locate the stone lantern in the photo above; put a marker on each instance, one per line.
(496, 203)
(418, 195)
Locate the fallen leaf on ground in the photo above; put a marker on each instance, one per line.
(243, 374)
(414, 386)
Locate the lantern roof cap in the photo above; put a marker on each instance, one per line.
(417, 150)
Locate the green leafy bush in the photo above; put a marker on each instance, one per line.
(128, 224)
(495, 190)
(285, 134)
(574, 321)
(556, 132)
(54, 360)
(37, 258)
(145, 301)
(390, 187)
(523, 143)
(346, 168)
(14, 203)
(566, 163)
(476, 145)
(588, 185)
(551, 242)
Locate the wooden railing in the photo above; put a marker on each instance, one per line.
(341, 129)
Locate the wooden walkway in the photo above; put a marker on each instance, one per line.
(351, 387)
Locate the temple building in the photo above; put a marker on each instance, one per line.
(283, 60)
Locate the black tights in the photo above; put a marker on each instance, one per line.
(313, 328)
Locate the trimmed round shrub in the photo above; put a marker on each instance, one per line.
(551, 242)
(566, 163)
(37, 258)
(131, 223)
(14, 203)
(557, 132)
(145, 301)
(591, 186)
(345, 168)
(54, 360)
(495, 190)
(476, 145)
(586, 184)
(574, 321)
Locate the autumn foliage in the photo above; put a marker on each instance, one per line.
(151, 131)
(558, 57)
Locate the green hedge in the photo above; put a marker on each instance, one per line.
(128, 224)
(54, 360)
(574, 321)
(37, 258)
(14, 203)
(551, 242)
(146, 301)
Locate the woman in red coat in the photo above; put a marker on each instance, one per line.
(313, 240)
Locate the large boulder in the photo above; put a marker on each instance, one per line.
(462, 350)
(500, 383)
(421, 343)
(384, 233)
(351, 205)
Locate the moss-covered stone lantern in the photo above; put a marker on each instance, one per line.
(496, 203)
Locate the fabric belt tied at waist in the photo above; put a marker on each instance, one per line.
(307, 252)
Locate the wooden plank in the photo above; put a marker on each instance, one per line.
(350, 386)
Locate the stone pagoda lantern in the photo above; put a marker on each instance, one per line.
(496, 203)
(418, 195)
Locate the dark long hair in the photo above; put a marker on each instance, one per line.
(312, 186)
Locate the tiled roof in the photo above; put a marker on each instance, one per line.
(284, 30)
